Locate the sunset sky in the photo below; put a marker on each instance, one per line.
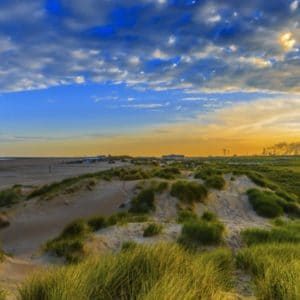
(148, 77)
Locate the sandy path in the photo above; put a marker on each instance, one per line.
(233, 208)
(38, 221)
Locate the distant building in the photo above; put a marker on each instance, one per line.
(173, 157)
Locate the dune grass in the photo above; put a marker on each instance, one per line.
(163, 271)
(207, 171)
(284, 232)
(11, 196)
(152, 230)
(269, 204)
(275, 268)
(206, 230)
(144, 202)
(189, 192)
(70, 243)
(215, 182)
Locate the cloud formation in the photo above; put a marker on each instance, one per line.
(163, 44)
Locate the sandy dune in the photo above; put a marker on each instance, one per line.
(38, 221)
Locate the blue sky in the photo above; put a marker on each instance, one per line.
(78, 69)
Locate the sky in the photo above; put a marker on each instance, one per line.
(148, 77)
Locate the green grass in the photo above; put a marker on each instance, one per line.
(215, 182)
(206, 171)
(189, 192)
(286, 232)
(143, 202)
(11, 196)
(163, 271)
(185, 216)
(265, 203)
(166, 172)
(152, 230)
(269, 204)
(200, 232)
(70, 243)
(275, 268)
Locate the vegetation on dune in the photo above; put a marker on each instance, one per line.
(70, 243)
(165, 271)
(11, 196)
(286, 232)
(185, 215)
(143, 202)
(269, 204)
(215, 182)
(189, 192)
(166, 173)
(205, 172)
(206, 230)
(152, 230)
(275, 268)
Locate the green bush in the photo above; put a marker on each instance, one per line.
(199, 232)
(143, 202)
(265, 203)
(189, 192)
(152, 230)
(215, 182)
(161, 271)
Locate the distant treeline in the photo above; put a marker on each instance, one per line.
(283, 149)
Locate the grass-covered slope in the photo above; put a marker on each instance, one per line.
(163, 271)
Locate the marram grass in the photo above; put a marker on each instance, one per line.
(162, 271)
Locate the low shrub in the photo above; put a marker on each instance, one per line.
(143, 202)
(189, 192)
(75, 229)
(265, 203)
(199, 232)
(152, 230)
(215, 182)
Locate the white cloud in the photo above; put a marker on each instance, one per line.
(79, 79)
(159, 54)
(294, 5)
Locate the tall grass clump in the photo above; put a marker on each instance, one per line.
(275, 268)
(152, 230)
(189, 192)
(143, 202)
(205, 172)
(11, 196)
(269, 204)
(166, 173)
(200, 232)
(265, 203)
(287, 232)
(162, 271)
(215, 182)
(70, 243)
